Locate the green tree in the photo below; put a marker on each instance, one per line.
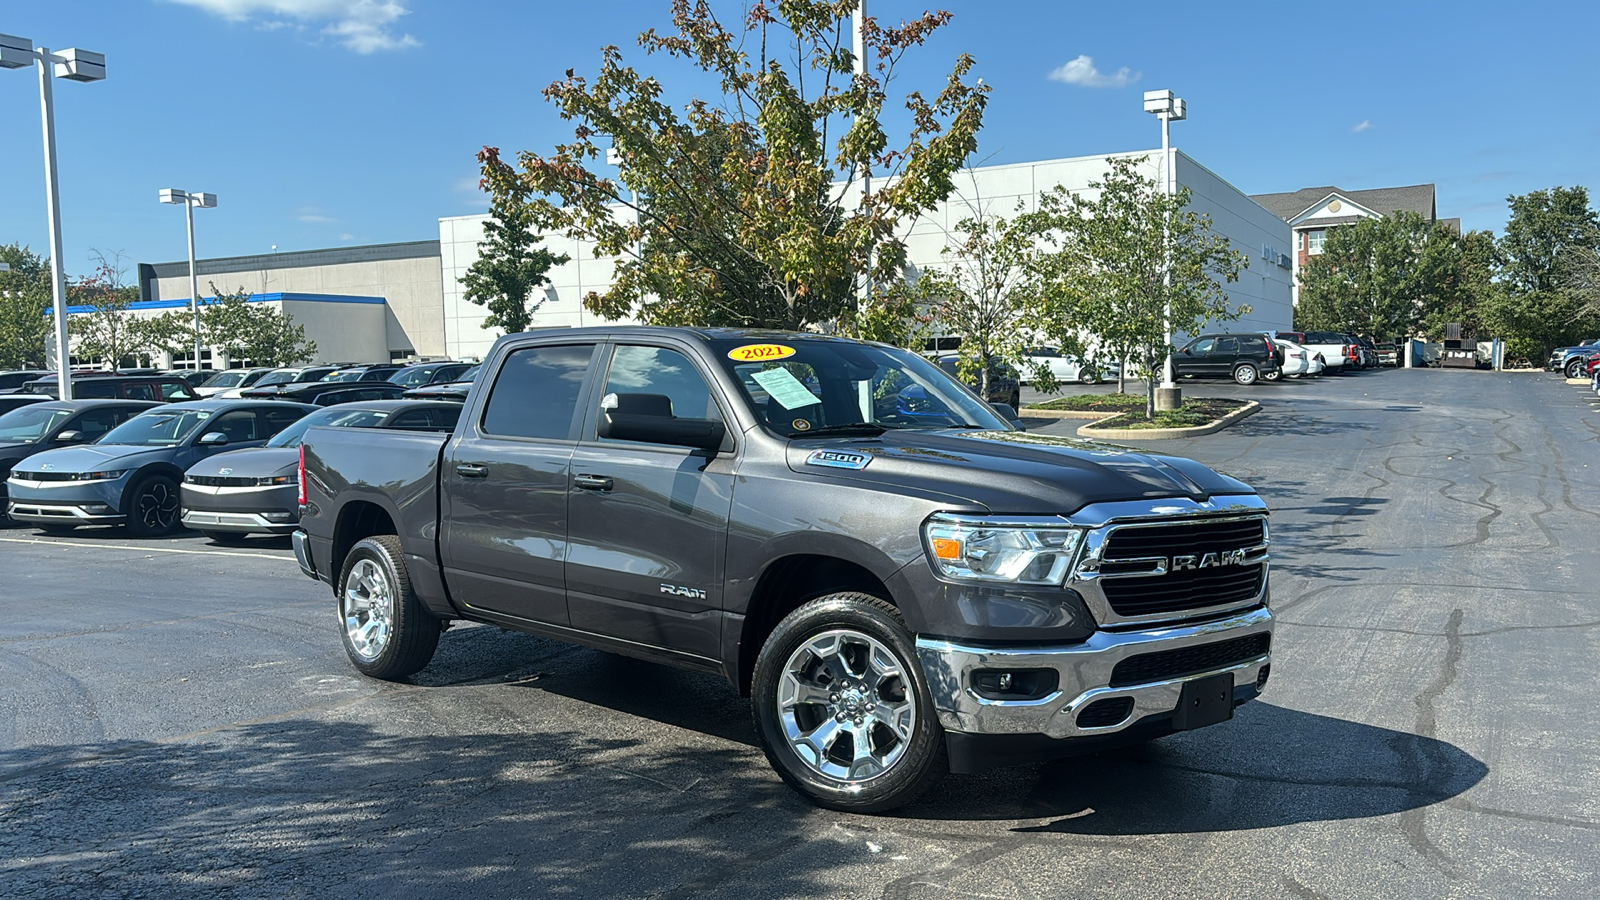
(108, 328)
(1105, 264)
(509, 265)
(1544, 225)
(983, 292)
(752, 209)
(1382, 276)
(25, 307)
(231, 323)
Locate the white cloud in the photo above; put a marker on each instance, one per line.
(1082, 73)
(360, 25)
(313, 216)
(347, 236)
(1366, 125)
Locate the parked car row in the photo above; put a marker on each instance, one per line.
(152, 466)
(1573, 361)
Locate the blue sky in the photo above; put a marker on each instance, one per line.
(322, 123)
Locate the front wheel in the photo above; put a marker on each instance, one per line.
(1245, 374)
(387, 633)
(1574, 369)
(153, 506)
(1088, 376)
(842, 706)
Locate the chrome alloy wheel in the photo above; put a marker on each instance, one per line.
(368, 608)
(847, 705)
(157, 506)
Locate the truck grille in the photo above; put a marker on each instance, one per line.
(1133, 550)
(1170, 664)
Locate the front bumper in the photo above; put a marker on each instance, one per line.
(264, 509)
(1084, 673)
(66, 502)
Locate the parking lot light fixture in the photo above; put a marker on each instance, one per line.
(190, 200)
(1169, 108)
(72, 64)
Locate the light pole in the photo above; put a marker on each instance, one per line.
(190, 200)
(1168, 108)
(74, 65)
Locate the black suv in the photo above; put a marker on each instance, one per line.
(1242, 357)
(163, 388)
(326, 393)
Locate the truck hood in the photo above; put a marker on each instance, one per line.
(1014, 471)
(98, 457)
(253, 462)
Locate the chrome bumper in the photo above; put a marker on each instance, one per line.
(302, 554)
(1085, 676)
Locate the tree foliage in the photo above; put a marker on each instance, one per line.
(1382, 276)
(750, 210)
(1105, 264)
(510, 265)
(107, 329)
(1542, 227)
(25, 305)
(984, 291)
(229, 322)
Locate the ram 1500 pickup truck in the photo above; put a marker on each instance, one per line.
(903, 582)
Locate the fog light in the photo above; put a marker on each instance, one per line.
(1261, 677)
(95, 508)
(1015, 684)
(278, 516)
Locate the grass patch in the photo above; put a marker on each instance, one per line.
(1192, 414)
(1095, 402)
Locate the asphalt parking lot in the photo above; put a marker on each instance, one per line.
(178, 718)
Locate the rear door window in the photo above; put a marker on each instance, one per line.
(535, 393)
(137, 391)
(1228, 346)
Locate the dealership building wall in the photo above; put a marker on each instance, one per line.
(404, 279)
(1266, 286)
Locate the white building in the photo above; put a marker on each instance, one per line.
(994, 190)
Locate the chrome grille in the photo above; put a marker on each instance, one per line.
(1166, 569)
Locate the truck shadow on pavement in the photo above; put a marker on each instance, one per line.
(1268, 767)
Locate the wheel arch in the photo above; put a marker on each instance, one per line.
(358, 519)
(158, 468)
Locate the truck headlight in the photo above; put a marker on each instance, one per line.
(968, 548)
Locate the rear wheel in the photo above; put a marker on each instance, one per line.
(386, 632)
(1246, 374)
(1088, 376)
(153, 506)
(842, 706)
(1273, 375)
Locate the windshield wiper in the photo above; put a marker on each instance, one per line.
(851, 428)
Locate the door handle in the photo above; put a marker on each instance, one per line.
(592, 482)
(472, 470)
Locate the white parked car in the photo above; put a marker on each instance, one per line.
(1296, 360)
(1067, 369)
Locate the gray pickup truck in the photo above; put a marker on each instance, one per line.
(903, 582)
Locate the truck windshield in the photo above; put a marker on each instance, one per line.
(29, 423)
(158, 428)
(806, 387)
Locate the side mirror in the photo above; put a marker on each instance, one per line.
(69, 437)
(212, 439)
(1008, 413)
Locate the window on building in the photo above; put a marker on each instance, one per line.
(1314, 241)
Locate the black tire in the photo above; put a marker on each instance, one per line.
(232, 538)
(1246, 374)
(1575, 368)
(920, 761)
(410, 633)
(1274, 375)
(1087, 375)
(1016, 401)
(152, 506)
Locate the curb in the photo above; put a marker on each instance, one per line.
(1034, 412)
(1157, 434)
(1582, 381)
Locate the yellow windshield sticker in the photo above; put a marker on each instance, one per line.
(760, 352)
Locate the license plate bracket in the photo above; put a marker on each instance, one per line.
(1204, 701)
